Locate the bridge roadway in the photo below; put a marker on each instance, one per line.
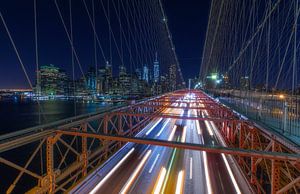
(155, 169)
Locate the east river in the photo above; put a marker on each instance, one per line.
(21, 114)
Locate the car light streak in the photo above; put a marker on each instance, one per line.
(169, 170)
(156, 158)
(172, 133)
(198, 128)
(207, 177)
(208, 128)
(179, 186)
(149, 131)
(161, 178)
(191, 168)
(159, 133)
(135, 173)
(182, 112)
(111, 172)
(237, 189)
(183, 135)
(142, 154)
(195, 113)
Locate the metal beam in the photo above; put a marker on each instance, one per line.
(191, 146)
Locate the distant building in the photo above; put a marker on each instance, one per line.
(122, 70)
(124, 81)
(156, 70)
(53, 80)
(146, 73)
(164, 82)
(91, 80)
(138, 73)
(245, 83)
(108, 77)
(101, 81)
(226, 83)
(172, 77)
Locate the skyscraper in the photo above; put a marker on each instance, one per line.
(172, 76)
(138, 73)
(108, 77)
(91, 80)
(156, 70)
(146, 73)
(53, 80)
(122, 70)
(101, 80)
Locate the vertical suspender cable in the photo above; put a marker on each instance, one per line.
(72, 56)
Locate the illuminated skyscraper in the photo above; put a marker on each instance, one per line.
(146, 73)
(138, 73)
(172, 77)
(156, 69)
(53, 80)
(108, 77)
(91, 80)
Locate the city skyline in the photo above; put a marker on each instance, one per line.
(54, 49)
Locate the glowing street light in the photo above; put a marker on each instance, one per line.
(281, 96)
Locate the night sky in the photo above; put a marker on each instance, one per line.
(187, 21)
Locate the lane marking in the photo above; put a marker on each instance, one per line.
(152, 166)
(111, 172)
(142, 154)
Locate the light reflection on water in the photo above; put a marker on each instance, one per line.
(16, 115)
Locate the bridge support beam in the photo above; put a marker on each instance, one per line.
(275, 172)
(84, 154)
(50, 180)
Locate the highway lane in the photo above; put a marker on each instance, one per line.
(156, 169)
(222, 178)
(114, 178)
(193, 161)
(122, 174)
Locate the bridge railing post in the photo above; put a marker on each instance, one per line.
(84, 153)
(275, 172)
(50, 164)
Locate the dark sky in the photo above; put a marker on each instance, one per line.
(187, 21)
